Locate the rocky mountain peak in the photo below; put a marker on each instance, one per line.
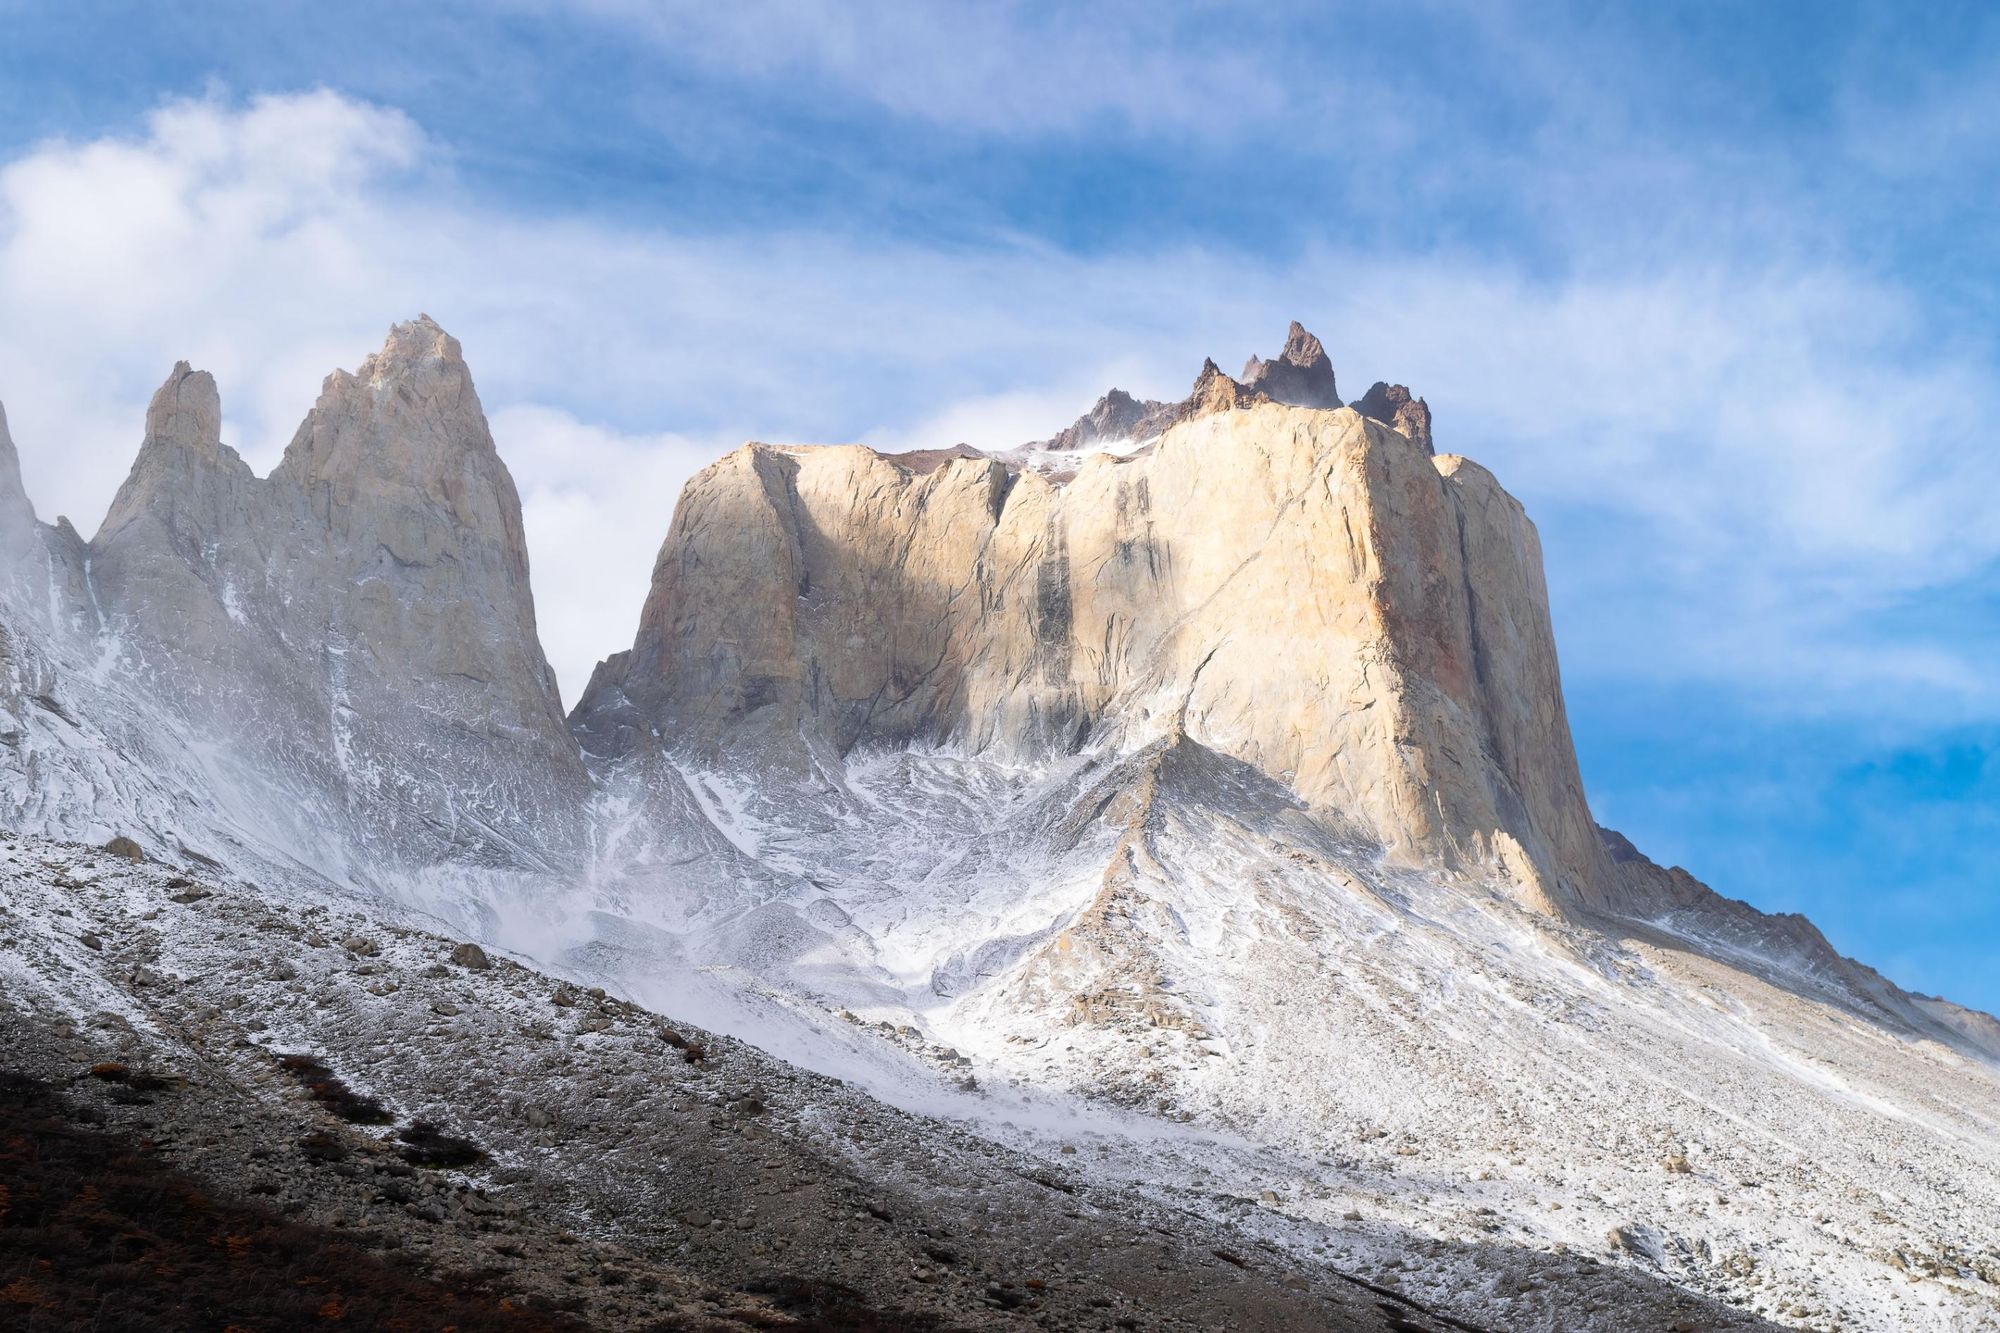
(418, 357)
(1301, 374)
(186, 411)
(1115, 416)
(14, 502)
(184, 474)
(1392, 405)
(366, 606)
(407, 422)
(19, 532)
(1302, 348)
(1402, 683)
(1215, 392)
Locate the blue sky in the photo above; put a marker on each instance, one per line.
(1712, 288)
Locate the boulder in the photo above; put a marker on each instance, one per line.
(471, 957)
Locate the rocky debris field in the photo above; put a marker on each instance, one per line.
(538, 1151)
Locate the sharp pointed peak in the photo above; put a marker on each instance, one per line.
(186, 410)
(408, 410)
(1304, 349)
(412, 342)
(16, 513)
(1301, 374)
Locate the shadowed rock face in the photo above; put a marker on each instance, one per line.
(1301, 375)
(1117, 416)
(1299, 589)
(361, 620)
(1392, 405)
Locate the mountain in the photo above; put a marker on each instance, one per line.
(1301, 375)
(1116, 418)
(356, 631)
(1181, 810)
(1295, 588)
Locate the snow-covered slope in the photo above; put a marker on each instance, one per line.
(1209, 806)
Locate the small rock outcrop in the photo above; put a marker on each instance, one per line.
(1301, 374)
(1392, 405)
(1117, 416)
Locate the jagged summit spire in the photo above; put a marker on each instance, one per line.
(390, 528)
(412, 344)
(10, 460)
(407, 414)
(186, 411)
(183, 470)
(17, 515)
(1302, 348)
(1116, 416)
(1302, 374)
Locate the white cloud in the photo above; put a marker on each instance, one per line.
(999, 67)
(596, 504)
(1766, 455)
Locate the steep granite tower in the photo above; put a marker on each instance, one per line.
(358, 628)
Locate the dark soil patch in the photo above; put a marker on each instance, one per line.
(424, 1144)
(829, 1307)
(98, 1233)
(325, 1087)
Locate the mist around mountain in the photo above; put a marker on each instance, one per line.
(1178, 814)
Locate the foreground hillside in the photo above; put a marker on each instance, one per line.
(591, 1160)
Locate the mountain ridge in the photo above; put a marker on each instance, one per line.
(1220, 778)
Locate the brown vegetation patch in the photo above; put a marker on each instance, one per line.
(424, 1144)
(325, 1087)
(830, 1306)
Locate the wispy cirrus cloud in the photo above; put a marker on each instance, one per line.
(1009, 68)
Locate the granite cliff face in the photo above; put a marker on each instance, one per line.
(1296, 587)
